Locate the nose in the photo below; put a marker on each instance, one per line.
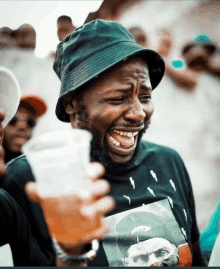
(136, 112)
(22, 124)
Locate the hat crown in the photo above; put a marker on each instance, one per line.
(94, 48)
(92, 37)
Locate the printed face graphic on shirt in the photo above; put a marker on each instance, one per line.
(146, 236)
(152, 252)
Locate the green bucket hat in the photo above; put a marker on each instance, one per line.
(92, 49)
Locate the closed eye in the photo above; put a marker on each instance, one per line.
(145, 98)
(116, 100)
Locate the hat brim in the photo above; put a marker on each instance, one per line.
(37, 104)
(103, 60)
(10, 94)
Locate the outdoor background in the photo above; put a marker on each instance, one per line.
(183, 120)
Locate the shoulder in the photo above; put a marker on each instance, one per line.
(6, 200)
(155, 149)
(166, 158)
(19, 171)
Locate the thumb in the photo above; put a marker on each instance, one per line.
(32, 192)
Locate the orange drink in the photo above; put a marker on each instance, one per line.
(65, 220)
(58, 161)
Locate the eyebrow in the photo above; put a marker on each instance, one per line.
(121, 90)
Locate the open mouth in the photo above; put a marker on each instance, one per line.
(121, 142)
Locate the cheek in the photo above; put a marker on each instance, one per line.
(8, 132)
(29, 133)
(149, 110)
(104, 117)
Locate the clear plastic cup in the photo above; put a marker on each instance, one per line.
(58, 160)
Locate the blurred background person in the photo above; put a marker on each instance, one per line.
(20, 128)
(183, 77)
(200, 53)
(22, 38)
(6, 38)
(64, 26)
(25, 37)
(139, 36)
(201, 56)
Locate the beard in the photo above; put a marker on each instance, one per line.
(99, 151)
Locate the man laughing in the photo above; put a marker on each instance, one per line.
(107, 81)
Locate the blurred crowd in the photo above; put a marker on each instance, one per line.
(189, 90)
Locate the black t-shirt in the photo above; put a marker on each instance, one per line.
(157, 183)
(15, 231)
(155, 189)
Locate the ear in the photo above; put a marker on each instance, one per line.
(69, 104)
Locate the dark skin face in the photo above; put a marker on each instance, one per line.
(119, 101)
(197, 58)
(17, 135)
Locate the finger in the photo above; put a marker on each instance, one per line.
(32, 192)
(98, 234)
(102, 206)
(100, 188)
(95, 170)
(93, 190)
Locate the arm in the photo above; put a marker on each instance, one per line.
(16, 231)
(184, 78)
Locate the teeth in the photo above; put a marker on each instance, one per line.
(116, 143)
(128, 134)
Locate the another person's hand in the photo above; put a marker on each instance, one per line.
(165, 43)
(91, 202)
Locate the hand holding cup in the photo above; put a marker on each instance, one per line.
(68, 188)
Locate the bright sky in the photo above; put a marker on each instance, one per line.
(42, 15)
